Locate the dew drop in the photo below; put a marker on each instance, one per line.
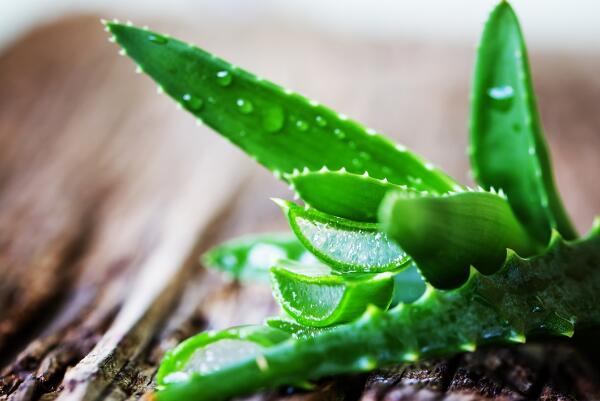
(273, 119)
(356, 163)
(245, 106)
(502, 97)
(302, 125)
(224, 78)
(157, 39)
(321, 122)
(365, 156)
(339, 133)
(192, 102)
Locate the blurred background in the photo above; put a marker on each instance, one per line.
(108, 193)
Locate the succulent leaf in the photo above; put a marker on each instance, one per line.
(280, 129)
(343, 194)
(409, 285)
(250, 257)
(545, 294)
(315, 297)
(213, 350)
(445, 235)
(294, 328)
(346, 246)
(507, 148)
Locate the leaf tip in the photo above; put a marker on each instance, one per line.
(283, 204)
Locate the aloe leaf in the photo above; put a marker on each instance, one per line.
(445, 235)
(409, 285)
(346, 246)
(213, 350)
(280, 129)
(507, 148)
(547, 295)
(339, 193)
(294, 328)
(314, 297)
(250, 257)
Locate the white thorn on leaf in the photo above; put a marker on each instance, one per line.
(324, 169)
(305, 170)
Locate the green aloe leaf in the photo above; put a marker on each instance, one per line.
(507, 148)
(446, 235)
(346, 246)
(315, 297)
(210, 351)
(250, 257)
(340, 193)
(542, 295)
(409, 285)
(280, 129)
(294, 328)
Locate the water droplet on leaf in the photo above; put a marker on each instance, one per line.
(157, 39)
(321, 122)
(224, 78)
(245, 106)
(192, 102)
(302, 125)
(339, 133)
(502, 97)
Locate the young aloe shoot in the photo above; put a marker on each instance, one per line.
(380, 227)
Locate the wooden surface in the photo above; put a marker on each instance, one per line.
(108, 194)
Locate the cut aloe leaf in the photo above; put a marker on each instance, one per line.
(250, 257)
(280, 129)
(345, 245)
(508, 150)
(339, 193)
(315, 297)
(446, 235)
(211, 351)
(408, 285)
(294, 328)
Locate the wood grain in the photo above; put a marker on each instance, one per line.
(108, 194)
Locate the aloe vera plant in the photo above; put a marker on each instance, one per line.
(391, 260)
